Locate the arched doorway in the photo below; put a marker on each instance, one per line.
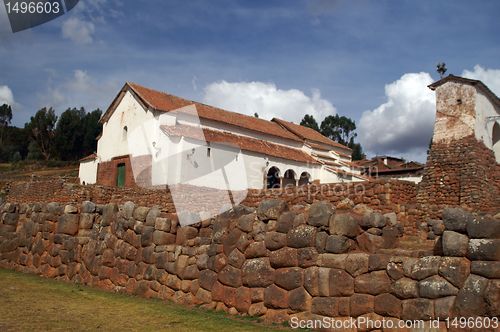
(305, 178)
(495, 141)
(273, 178)
(289, 178)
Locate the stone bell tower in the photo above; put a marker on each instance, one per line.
(462, 166)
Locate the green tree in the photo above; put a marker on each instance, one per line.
(338, 128)
(34, 152)
(91, 129)
(5, 118)
(357, 151)
(41, 130)
(69, 134)
(309, 121)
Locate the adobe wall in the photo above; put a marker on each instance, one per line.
(276, 261)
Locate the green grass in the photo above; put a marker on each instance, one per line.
(32, 303)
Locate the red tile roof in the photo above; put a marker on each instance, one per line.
(92, 156)
(164, 102)
(244, 143)
(307, 133)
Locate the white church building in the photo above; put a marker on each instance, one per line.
(152, 139)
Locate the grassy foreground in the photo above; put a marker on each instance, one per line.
(31, 303)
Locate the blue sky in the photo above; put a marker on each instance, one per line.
(320, 55)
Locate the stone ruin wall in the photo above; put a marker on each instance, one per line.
(276, 261)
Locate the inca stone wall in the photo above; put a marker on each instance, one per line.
(275, 261)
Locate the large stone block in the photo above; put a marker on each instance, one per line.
(405, 288)
(275, 240)
(387, 305)
(443, 307)
(325, 306)
(484, 227)
(163, 238)
(284, 257)
(68, 224)
(417, 309)
(301, 236)
(140, 213)
(255, 250)
(470, 299)
(289, 278)
(373, 219)
(275, 297)
(455, 270)
(285, 222)
(307, 257)
(356, 264)
(230, 276)
(320, 213)
(311, 280)
(454, 244)
(484, 249)
(361, 304)
(344, 224)
(488, 269)
(456, 219)
(299, 300)
(492, 297)
(257, 272)
(245, 222)
(374, 283)
(271, 209)
(435, 287)
(338, 244)
(370, 242)
(207, 279)
(425, 267)
(341, 283)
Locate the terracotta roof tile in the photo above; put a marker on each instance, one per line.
(92, 156)
(244, 143)
(308, 133)
(164, 102)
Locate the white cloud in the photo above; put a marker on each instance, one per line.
(267, 100)
(490, 77)
(78, 31)
(403, 125)
(6, 95)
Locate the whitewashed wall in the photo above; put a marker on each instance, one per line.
(87, 172)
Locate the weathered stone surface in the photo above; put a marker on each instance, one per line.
(443, 307)
(484, 249)
(230, 276)
(320, 213)
(163, 238)
(236, 258)
(332, 260)
(320, 241)
(338, 244)
(207, 279)
(369, 242)
(361, 304)
(256, 249)
(417, 309)
(257, 309)
(11, 218)
(68, 224)
(395, 270)
(127, 209)
(356, 264)
(311, 280)
(436, 286)
(70, 209)
(344, 224)
(492, 298)
(284, 257)
(245, 222)
(483, 227)
(455, 270)
(345, 204)
(454, 244)
(437, 226)
(387, 305)
(405, 288)
(140, 213)
(257, 272)
(301, 236)
(271, 209)
(243, 299)
(289, 278)
(362, 209)
(230, 240)
(378, 262)
(488, 269)
(275, 297)
(185, 233)
(153, 213)
(326, 306)
(86, 220)
(54, 208)
(162, 224)
(341, 283)
(299, 300)
(456, 219)
(275, 240)
(307, 257)
(391, 219)
(373, 283)
(470, 299)
(285, 222)
(425, 267)
(373, 219)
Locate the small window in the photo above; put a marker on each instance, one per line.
(208, 151)
(124, 133)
